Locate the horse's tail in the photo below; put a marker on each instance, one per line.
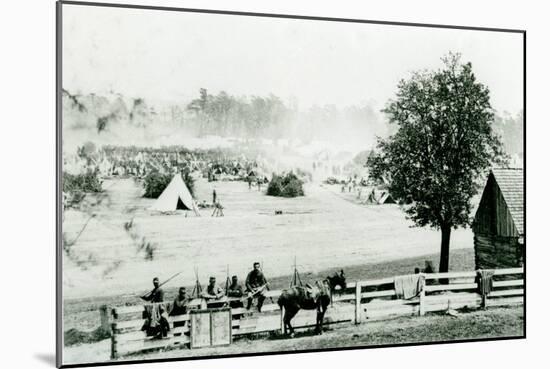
(280, 300)
(283, 298)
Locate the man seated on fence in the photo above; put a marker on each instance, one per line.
(428, 267)
(156, 294)
(179, 307)
(213, 294)
(256, 285)
(235, 290)
(156, 318)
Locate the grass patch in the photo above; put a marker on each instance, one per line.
(491, 323)
(74, 336)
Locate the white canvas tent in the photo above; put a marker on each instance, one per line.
(386, 198)
(377, 197)
(176, 196)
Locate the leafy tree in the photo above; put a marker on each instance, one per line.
(76, 186)
(275, 186)
(200, 107)
(230, 115)
(443, 145)
(154, 183)
(362, 157)
(288, 185)
(82, 183)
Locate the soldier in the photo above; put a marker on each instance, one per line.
(180, 303)
(214, 295)
(235, 290)
(156, 295)
(218, 210)
(259, 183)
(428, 267)
(212, 291)
(156, 323)
(256, 284)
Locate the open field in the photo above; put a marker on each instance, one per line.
(491, 323)
(324, 230)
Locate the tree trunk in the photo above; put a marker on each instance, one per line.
(444, 256)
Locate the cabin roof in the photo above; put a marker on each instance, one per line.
(510, 183)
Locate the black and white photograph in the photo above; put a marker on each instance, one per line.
(237, 184)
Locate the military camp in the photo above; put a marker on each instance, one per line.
(283, 190)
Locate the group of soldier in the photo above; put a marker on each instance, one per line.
(255, 288)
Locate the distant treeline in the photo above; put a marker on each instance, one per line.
(270, 117)
(510, 128)
(215, 153)
(223, 114)
(227, 115)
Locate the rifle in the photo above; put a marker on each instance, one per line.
(264, 287)
(197, 290)
(148, 294)
(227, 282)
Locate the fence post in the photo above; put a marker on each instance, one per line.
(104, 318)
(358, 303)
(422, 297)
(482, 289)
(282, 320)
(114, 351)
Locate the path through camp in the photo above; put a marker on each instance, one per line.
(323, 230)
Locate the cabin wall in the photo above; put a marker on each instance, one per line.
(493, 216)
(497, 252)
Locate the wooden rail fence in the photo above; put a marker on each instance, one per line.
(359, 302)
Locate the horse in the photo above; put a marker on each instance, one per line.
(337, 280)
(317, 297)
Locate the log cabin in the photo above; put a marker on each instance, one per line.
(498, 224)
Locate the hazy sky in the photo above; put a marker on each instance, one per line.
(170, 55)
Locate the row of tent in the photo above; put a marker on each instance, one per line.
(176, 196)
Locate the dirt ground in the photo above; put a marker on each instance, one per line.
(323, 230)
(492, 323)
(326, 230)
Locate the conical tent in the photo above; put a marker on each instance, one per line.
(386, 198)
(176, 196)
